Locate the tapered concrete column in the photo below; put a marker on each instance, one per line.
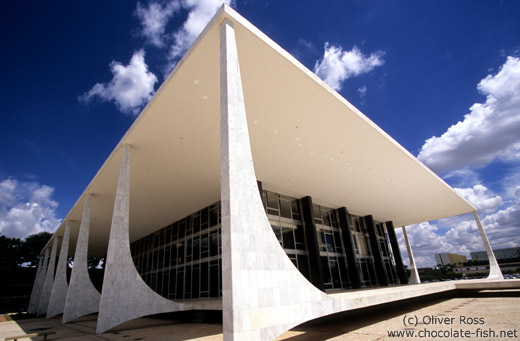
(311, 238)
(353, 270)
(414, 276)
(263, 293)
(381, 274)
(125, 295)
(42, 279)
(399, 267)
(60, 286)
(32, 308)
(82, 296)
(494, 269)
(49, 280)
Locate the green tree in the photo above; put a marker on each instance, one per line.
(32, 246)
(10, 253)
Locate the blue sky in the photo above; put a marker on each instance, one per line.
(441, 77)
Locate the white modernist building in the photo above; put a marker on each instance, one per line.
(240, 141)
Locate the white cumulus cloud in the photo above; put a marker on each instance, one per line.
(480, 197)
(26, 208)
(464, 177)
(362, 91)
(461, 234)
(465, 237)
(488, 132)
(425, 242)
(503, 226)
(131, 87)
(503, 219)
(338, 65)
(154, 18)
(200, 13)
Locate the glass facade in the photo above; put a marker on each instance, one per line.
(284, 214)
(388, 259)
(183, 260)
(364, 258)
(330, 243)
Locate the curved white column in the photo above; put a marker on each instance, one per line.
(36, 289)
(414, 276)
(49, 279)
(125, 295)
(82, 296)
(60, 286)
(494, 269)
(264, 294)
(43, 275)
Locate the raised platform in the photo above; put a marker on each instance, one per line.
(500, 312)
(370, 297)
(362, 298)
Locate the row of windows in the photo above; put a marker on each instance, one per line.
(290, 235)
(193, 225)
(367, 271)
(180, 252)
(364, 258)
(360, 237)
(183, 260)
(330, 243)
(281, 206)
(383, 240)
(200, 280)
(325, 216)
(284, 214)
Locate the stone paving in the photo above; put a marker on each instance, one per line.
(491, 311)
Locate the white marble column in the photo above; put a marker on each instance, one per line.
(49, 279)
(494, 269)
(263, 293)
(60, 286)
(36, 289)
(82, 296)
(125, 295)
(414, 276)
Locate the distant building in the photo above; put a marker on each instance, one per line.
(484, 268)
(500, 254)
(443, 259)
(509, 259)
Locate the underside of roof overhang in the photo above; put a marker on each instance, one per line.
(306, 140)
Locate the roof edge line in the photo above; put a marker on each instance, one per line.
(256, 31)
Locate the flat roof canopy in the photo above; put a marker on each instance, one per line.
(306, 140)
